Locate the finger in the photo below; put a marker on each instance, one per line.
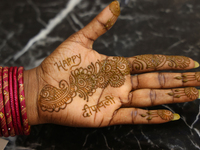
(165, 80)
(100, 24)
(140, 116)
(153, 97)
(147, 63)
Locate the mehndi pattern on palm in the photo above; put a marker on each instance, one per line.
(109, 100)
(68, 63)
(83, 82)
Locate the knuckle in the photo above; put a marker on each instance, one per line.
(130, 98)
(152, 96)
(134, 114)
(161, 79)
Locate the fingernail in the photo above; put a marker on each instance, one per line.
(196, 64)
(199, 94)
(176, 117)
(115, 8)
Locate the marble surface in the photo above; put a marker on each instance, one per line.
(31, 29)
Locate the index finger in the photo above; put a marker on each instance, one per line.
(149, 62)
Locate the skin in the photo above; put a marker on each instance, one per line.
(134, 91)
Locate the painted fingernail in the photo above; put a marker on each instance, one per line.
(199, 94)
(196, 64)
(176, 117)
(115, 8)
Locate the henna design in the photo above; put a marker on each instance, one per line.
(164, 114)
(115, 9)
(95, 108)
(53, 99)
(149, 61)
(73, 61)
(190, 92)
(84, 82)
(193, 77)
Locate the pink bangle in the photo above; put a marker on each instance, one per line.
(17, 109)
(26, 126)
(4, 128)
(7, 102)
(12, 103)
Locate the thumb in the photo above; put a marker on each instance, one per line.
(99, 25)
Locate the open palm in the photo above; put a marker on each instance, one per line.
(79, 87)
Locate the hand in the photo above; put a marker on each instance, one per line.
(76, 86)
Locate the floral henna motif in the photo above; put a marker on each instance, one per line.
(149, 61)
(164, 114)
(178, 61)
(84, 82)
(54, 99)
(193, 77)
(190, 92)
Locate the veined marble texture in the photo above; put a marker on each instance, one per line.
(31, 29)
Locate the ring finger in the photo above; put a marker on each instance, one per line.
(165, 80)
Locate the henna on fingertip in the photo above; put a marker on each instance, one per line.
(115, 9)
(163, 114)
(189, 77)
(190, 92)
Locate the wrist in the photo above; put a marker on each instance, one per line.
(31, 95)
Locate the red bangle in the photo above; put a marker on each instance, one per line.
(12, 103)
(17, 109)
(26, 126)
(7, 102)
(4, 128)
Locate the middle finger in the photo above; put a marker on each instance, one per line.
(165, 80)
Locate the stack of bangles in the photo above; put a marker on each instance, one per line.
(13, 116)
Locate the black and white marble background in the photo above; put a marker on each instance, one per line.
(31, 29)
